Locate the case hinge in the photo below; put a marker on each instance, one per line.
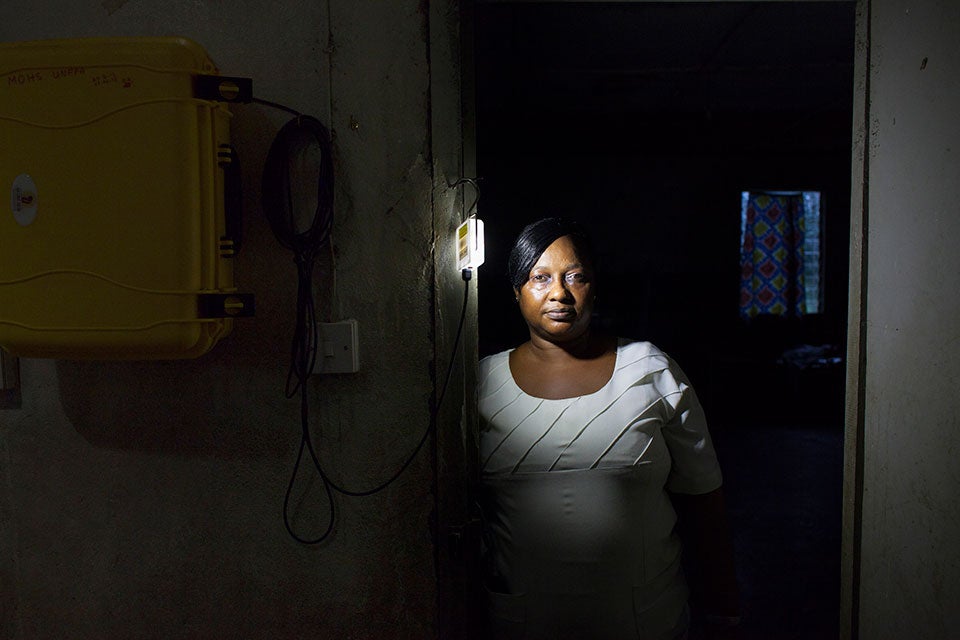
(232, 201)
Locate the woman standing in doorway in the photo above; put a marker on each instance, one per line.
(590, 446)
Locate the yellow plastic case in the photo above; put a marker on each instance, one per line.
(115, 243)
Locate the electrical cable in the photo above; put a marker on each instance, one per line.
(329, 484)
(294, 139)
(476, 198)
(290, 148)
(435, 410)
(275, 105)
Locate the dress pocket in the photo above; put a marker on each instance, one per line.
(507, 615)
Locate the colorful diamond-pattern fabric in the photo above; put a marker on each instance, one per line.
(771, 259)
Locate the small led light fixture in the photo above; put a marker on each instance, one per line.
(470, 244)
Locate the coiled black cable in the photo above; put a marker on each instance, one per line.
(295, 148)
(293, 144)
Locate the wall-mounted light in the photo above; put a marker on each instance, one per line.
(470, 244)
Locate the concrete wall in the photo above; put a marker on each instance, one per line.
(909, 560)
(144, 499)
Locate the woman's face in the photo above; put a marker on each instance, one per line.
(557, 298)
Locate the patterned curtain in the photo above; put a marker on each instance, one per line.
(771, 257)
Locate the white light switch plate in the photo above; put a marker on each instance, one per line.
(339, 347)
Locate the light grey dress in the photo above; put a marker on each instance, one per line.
(578, 526)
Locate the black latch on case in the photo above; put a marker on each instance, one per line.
(225, 305)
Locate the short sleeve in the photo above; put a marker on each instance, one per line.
(694, 465)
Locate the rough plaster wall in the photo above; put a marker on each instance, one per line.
(910, 577)
(143, 499)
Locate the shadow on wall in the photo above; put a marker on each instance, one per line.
(194, 408)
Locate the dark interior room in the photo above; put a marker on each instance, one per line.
(648, 122)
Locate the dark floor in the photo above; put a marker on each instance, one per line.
(783, 489)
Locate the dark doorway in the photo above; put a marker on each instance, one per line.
(647, 121)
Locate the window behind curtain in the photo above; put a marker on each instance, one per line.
(780, 253)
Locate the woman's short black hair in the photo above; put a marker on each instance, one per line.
(534, 240)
